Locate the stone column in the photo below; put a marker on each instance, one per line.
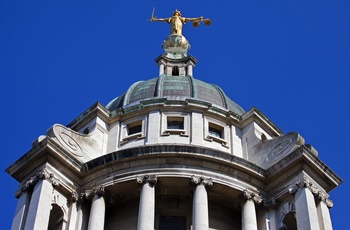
(21, 208)
(147, 202)
(305, 206)
(73, 211)
(323, 205)
(40, 202)
(161, 69)
(190, 70)
(200, 213)
(249, 221)
(98, 208)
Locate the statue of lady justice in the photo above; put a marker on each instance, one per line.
(176, 21)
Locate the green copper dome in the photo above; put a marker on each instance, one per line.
(177, 88)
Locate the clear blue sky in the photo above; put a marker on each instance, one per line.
(290, 59)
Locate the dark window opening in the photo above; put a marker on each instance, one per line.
(172, 223)
(86, 131)
(135, 127)
(215, 130)
(175, 123)
(175, 71)
(289, 221)
(56, 218)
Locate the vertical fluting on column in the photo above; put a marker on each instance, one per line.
(305, 206)
(200, 212)
(40, 201)
(147, 202)
(249, 221)
(98, 208)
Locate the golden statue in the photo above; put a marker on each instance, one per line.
(176, 21)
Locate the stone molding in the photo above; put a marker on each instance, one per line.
(43, 174)
(197, 180)
(315, 190)
(151, 179)
(250, 195)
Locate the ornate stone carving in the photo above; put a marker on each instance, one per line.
(268, 152)
(74, 197)
(90, 193)
(250, 195)
(150, 179)
(271, 203)
(208, 182)
(31, 182)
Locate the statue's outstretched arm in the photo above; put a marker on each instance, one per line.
(193, 19)
(159, 19)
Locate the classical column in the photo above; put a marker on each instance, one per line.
(161, 69)
(200, 213)
(147, 202)
(98, 208)
(23, 196)
(323, 205)
(73, 216)
(40, 202)
(248, 210)
(305, 206)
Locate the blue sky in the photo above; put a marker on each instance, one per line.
(290, 59)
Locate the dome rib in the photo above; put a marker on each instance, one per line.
(129, 92)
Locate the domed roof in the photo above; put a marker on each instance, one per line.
(174, 88)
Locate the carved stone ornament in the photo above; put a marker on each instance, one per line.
(250, 195)
(31, 182)
(197, 180)
(268, 152)
(271, 203)
(316, 191)
(74, 197)
(150, 179)
(90, 193)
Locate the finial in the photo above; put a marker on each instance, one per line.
(176, 21)
(176, 45)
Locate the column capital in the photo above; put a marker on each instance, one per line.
(270, 203)
(95, 190)
(253, 196)
(197, 180)
(151, 179)
(29, 184)
(305, 182)
(74, 197)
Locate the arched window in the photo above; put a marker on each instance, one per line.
(289, 221)
(56, 218)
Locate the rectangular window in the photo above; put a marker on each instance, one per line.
(175, 123)
(215, 130)
(134, 127)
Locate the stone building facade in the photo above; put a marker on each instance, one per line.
(172, 152)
